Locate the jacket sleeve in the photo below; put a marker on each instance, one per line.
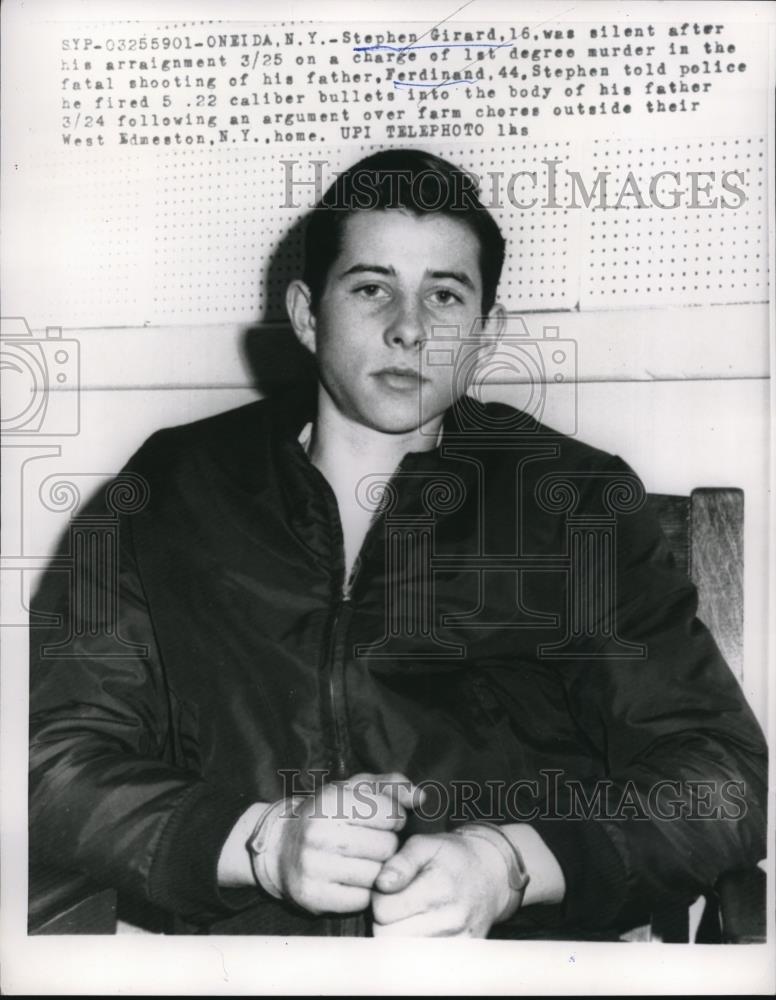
(108, 797)
(683, 797)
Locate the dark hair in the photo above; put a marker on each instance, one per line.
(400, 178)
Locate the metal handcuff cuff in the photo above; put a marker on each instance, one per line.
(261, 840)
(518, 877)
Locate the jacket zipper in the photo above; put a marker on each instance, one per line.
(336, 652)
(354, 925)
(336, 663)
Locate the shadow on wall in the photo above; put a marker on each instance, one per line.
(276, 361)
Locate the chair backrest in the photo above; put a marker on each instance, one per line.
(706, 534)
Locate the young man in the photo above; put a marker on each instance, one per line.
(359, 698)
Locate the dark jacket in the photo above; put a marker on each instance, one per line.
(541, 632)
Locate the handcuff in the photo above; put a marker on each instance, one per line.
(261, 839)
(518, 877)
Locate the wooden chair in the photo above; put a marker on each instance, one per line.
(705, 533)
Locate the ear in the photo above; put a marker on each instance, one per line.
(299, 306)
(493, 328)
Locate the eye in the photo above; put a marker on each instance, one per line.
(371, 291)
(445, 297)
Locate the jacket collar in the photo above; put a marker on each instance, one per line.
(463, 423)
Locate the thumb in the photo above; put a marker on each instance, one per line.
(402, 869)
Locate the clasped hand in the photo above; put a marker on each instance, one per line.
(338, 852)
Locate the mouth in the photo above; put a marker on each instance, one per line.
(397, 371)
(400, 379)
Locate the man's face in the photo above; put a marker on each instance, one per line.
(398, 276)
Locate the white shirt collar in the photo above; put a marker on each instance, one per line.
(306, 436)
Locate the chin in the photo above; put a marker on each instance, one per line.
(392, 419)
(394, 425)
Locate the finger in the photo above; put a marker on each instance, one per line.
(400, 870)
(424, 894)
(396, 785)
(359, 804)
(375, 810)
(333, 897)
(349, 840)
(363, 842)
(434, 923)
(358, 872)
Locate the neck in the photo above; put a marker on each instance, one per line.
(344, 448)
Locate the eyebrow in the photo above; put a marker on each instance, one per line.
(374, 268)
(460, 276)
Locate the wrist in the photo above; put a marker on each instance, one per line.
(264, 844)
(548, 884)
(234, 866)
(513, 878)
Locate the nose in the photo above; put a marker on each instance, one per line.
(406, 327)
